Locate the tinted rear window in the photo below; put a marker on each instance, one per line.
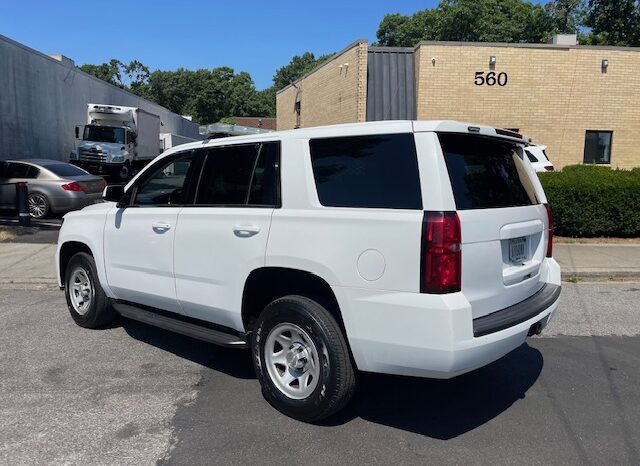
(532, 158)
(65, 169)
(379, 171)
(485, 172)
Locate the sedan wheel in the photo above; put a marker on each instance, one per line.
(38, 205)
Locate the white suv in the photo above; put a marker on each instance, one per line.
(413, 248)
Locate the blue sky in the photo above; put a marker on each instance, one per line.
(253, 36)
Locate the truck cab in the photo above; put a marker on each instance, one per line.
(110, 142)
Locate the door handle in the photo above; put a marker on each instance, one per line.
(245, 231)
(161, 226)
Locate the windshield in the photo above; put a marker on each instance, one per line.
(103, 134)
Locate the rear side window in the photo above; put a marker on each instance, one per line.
(22, 170)
(241, 175)
(485, 172)
(532, 158)
(378, 171)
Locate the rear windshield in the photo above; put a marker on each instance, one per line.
(65, 169)
(486, 173)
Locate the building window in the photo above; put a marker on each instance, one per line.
(297, 110)
(597, 147)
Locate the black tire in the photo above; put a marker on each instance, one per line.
(336, 383)
(125, 172)
(39, 205)
(99, 311)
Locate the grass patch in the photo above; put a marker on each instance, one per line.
(6, 235)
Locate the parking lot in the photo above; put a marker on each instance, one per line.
(133, 394)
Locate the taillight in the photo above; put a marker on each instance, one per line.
(441, 262)
(549, 168)
(72, 187)
(550, 230)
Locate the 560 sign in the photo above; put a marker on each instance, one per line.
(491, 78)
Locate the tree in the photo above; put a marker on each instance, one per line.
(296, 68)
(468, 20)
(614, 22)
(133, 75)
(109, 72)
(566, 15)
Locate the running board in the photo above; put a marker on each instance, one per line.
(199, 332)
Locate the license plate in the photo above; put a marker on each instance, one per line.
(517, 250)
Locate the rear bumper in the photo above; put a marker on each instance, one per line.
(433, 335)
(73, 201)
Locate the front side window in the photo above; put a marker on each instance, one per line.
(167, 184)
(377, 171)
(597, 147)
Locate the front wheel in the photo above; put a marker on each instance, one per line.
(302, 360)
(88, 305)
(125, 172)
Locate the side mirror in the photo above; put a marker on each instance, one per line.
(78, 132)
(113, 193)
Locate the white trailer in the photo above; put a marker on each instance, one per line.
(117, 140)
(169, 140)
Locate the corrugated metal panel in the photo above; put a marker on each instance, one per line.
(390, 85)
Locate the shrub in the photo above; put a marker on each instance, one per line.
(590, 200)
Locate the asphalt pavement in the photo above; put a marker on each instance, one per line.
(133, 394)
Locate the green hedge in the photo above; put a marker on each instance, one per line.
(589, 200)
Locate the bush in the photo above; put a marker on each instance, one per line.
(590, 200)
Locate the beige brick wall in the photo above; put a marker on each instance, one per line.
(330, 94)
(552, 95)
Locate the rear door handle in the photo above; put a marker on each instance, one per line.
(161, 226)
(246, 230)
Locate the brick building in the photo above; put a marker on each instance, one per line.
(583, 102)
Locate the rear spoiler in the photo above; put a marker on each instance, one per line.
(459, 127)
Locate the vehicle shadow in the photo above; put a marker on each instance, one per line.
(230, 361)
(441, 409)
(444, 409)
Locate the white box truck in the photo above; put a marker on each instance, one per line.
(117, 140)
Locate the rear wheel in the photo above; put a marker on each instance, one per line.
(302, 360)
(87, 303)
(39, 206)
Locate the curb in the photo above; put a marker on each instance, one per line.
(601, 275)
(46, 282)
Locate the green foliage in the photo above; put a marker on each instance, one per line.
(566, 15)
(296, 68)
(613, 22)
(134, 75)
(469, 20)
(589, 200)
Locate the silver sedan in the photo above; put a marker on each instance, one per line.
(54, 186)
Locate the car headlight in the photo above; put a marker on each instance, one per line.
(118, 158)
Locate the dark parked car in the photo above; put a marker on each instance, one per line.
(54, 186)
